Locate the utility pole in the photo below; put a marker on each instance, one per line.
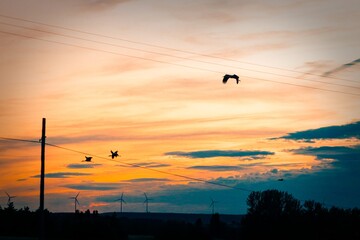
(42, 180)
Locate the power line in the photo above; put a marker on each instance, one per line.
(170, 63)
(144, 167)
(152, 169)
(20, 140)
(167, 48)
(132, 164)
(106, 51)
(173, 56)
(298, 85)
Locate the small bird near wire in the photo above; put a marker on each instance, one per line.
(227, 76)
(87, 159)
(114, 154)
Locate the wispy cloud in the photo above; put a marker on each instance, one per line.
(313, 68)
(21, 179)
(342, 68)
(102, 5)
(148, 180)
(93, 186)
(351, 130)
(80, 166)
(219, 153)
(217, 168)
(15, 145)
(79, 139)
(284, 34)
(62, 175)
(152, 165)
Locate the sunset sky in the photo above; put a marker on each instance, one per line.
(144, 77)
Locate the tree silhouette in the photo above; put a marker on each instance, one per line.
(312, 208)
(272, 203)
(10, 207)
(276, 214)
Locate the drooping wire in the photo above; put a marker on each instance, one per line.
(106, 51)
(133, 165)
(298, 85)
(144, 167)
(20, 140)
(152, 169)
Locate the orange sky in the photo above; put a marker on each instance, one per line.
(146, 79)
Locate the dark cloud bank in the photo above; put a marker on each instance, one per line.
(351, 130)
(347, 157)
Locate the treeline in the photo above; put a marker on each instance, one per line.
(278, 214)
(270, 214)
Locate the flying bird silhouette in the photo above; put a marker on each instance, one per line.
(87, 159)
(113, 154)
(227, 76)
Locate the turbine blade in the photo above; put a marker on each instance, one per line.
(77, 201)
(7, 194)
(78, 194)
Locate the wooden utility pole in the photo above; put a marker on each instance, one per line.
(42, 180)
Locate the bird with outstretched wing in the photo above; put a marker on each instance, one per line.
(227, 76)
(114, 154)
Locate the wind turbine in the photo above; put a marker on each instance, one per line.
(212, 205)
(9, 197)
(147, 202)
(76, 200)
(121, 199)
